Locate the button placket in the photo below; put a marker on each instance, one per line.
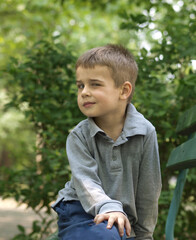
(114, 154)
(116, 159)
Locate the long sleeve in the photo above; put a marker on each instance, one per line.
(148, 190)
(85, 178)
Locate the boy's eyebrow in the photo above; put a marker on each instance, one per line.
(91, 80)
(95, 80)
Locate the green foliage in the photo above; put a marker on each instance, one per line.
(54, 236)
(14, 150)
(78, 23)
(39, 231)
(45, 83)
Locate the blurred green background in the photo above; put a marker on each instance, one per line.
(39, 44)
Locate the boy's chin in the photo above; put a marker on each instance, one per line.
(88, 115)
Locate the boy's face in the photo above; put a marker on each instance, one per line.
(98, 96)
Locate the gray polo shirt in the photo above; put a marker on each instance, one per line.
(122, 175)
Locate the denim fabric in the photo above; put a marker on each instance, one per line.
(75, 224)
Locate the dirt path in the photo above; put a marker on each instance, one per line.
(11, 215)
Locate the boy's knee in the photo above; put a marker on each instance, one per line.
(91, 231)
(101, 232)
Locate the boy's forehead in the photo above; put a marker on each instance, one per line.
(96, 71)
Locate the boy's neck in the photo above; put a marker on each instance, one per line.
(112, 126)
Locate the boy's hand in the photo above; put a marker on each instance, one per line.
(115, 217)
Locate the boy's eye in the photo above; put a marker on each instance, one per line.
(95, 84)
(80, 86)
(92, 84)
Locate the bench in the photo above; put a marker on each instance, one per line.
(181, 158)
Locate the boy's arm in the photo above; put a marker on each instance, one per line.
(86, 180)
(148, 190)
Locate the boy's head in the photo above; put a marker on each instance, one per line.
(118, 59)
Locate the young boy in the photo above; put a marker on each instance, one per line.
(113, 155)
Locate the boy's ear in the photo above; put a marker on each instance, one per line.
(126, 90)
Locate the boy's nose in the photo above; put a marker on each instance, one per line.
(85, 91)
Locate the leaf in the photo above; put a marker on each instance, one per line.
(21, 228)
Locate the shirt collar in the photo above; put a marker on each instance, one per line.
(135, 123)
(94, 129)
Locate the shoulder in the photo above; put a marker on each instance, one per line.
(80, 137)
(81, 129)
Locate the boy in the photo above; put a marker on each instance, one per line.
(113, 155)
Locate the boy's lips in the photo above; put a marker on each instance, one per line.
(88, 104)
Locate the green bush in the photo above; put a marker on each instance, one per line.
(45, 83)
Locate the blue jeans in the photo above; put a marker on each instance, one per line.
(75, 224)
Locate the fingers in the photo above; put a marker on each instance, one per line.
(100, 218)
(112, 218)
(128, 227)
(121, 224)
(111, 221)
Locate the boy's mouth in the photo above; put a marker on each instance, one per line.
(88, 104)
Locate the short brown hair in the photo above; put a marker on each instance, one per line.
(117, 58)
